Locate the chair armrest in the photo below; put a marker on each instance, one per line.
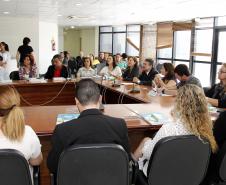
(36, 175)
(134, 169)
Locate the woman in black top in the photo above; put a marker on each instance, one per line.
(132, 69)
(24, 50)
(57, 69)
(217, 94)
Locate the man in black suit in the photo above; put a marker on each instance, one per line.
(91, 127)
(148, 73)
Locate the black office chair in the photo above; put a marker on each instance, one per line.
(221, 166)
(178, 160)
(14, 75)
(14, 169)
(103, 164)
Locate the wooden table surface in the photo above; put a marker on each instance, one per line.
(43, 118)
(48, 92)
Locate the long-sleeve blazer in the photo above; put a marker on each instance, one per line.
(91, 127)
(50, 72)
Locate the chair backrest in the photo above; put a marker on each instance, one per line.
(222, 169)
(178, 160)
(14, 168)
(14, 75)
(104, 164)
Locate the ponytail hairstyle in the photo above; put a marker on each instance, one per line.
(13, 123)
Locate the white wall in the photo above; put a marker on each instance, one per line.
(47, 32)
(61, 38)
(85, 39)
(13, 30)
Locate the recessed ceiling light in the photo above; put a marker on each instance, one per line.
(6, 0)
(59, 15)
(72, 27)
(6, 13)
(78, 4)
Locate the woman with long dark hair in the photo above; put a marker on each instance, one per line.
(168, 81)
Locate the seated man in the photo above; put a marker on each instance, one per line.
(148, 73)
(91, 127)
(183, 75)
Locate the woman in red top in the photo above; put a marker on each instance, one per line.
(57, 69)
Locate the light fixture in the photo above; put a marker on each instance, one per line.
(6, 0)
(78, 4)
(72, 27)
(6, 13)
(59, 15)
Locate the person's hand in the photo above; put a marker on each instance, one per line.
(135, 79)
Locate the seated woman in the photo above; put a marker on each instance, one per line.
(57, 69)
(28, 69)
(190, 115)
(14, 134)
(217, 94)
(132, 70)
(3, 73)
(86, 70)
(168, 81)
(111, 69)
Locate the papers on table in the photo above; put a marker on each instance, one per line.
(65, 117)
(155, 118)
(127, 83)
(59, 79)
(36, 80)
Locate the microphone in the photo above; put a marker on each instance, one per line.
(135, 89)
(115, 84)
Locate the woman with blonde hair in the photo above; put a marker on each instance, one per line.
(190, 115)
(14, 134)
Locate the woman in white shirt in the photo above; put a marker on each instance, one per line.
(4, 75)
(168, 81)
(190, 115)
(111, 69)
(14, 134)
(86, 70)
(4, 52)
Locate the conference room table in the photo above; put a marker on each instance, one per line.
(43, 120)
(49, 92)
(43, 100)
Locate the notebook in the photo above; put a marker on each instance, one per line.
(155, 118)
(65, 117)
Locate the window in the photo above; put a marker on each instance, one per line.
(135, 38)
(221, 56)
(203, 44)
(221, 21)
(202, 72)
(119, 44)
(106, 42)
(114, 39)
(207, 45)
(182, 44)
(181, 62)
(165, 53)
